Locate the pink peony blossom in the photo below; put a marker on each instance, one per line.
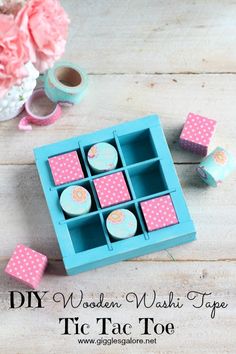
(46, 24)
(13, 54)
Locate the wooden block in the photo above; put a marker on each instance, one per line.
(197, 134)
(27, 266)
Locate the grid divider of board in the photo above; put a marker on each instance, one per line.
(79, 217)
(95, 195)
(129, 185)
(119, 148)
(140, 218)
(99, 175)
(109, 243)
(84, 160)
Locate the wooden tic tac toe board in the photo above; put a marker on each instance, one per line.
(146, 164)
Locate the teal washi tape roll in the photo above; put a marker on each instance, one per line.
(75, 200)
(216, 166)
(121, 224)
(65, 83)
(102, 157)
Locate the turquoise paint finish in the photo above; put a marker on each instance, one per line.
(87, 234)
(121, 224)
(146, 161)
(216, 167)
(147, 179)
(60, 92)
(75, 200)
(137, 146)
(102, 157)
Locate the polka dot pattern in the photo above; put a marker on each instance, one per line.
(112, 189)
(66, 168)
(159, 212)
(197, 134)
(27, 266)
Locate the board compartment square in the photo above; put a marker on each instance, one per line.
(87, 233)
(137, 147)
(147, 179)
(149, 172)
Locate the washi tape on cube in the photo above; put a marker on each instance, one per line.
(144, 176)
(216, 166)
(197, 134)
(102, 157)
(26, 266)
(121, 224)
(75, 200)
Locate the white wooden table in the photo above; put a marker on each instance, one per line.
(168, 57)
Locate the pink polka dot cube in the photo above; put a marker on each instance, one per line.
(197, 134)
(112, 189)
(27, 266)
(66, 168)
(159, 212)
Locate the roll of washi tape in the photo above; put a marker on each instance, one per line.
(75, 200)
(65, 83)
(102, 157)
(121, 224)
(216, 166)
(40, 111)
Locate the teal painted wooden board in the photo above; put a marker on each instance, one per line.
(146, 162)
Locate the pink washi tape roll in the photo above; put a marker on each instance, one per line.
(40, 111)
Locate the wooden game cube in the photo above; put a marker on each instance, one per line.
(27, 266)
(197, 134)
(66, 168)
(112, 189)
(159, 212)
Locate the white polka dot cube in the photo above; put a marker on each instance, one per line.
(66, 168)
(26, 266)
(197, 134)
(112, 189)
(159, 212)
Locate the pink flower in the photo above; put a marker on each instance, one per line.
(13, 54)
(46, 24)
(11, 6)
